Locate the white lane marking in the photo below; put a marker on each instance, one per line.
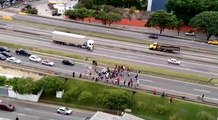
(131, 56)
(5, 119)
(146, 80)
(27, 108)
(202, 90)
(21, 114)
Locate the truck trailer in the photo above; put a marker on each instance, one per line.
(164, 48)
(70, 39)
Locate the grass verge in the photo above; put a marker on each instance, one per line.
(147, 106)
(155, 71)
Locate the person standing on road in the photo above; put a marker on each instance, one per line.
(17, 118)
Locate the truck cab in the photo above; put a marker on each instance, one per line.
(153, 46)
(90, 44)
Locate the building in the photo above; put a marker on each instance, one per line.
(105, 116)
(63, 5)
(155, 5)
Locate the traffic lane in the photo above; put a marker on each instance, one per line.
(141, 60)
(182, 87)
(118, 44)
(112, 31)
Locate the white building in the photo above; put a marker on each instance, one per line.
(63, 5)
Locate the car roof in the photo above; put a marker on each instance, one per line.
(62, 108)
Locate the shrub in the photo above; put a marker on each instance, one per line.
(204, 116)
(85, 97)
(161, 110)
(72, 94)
(2, 80)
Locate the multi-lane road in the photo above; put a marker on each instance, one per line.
(146, 81)
(131, 34)
(188, 66)
(38, 111)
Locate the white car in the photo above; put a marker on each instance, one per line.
(64, 110)
(13, 60)
(35, 58)
(173, 61)
(47, 62)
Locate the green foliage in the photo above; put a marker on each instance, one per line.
(82, 13)
(85, 97)
(204, 116)
(90, 4)
(29, 9)
(162, 19)
(206, 21)
(51, 84)
(187, 9)
(160, 109)
(71, 14)
(107, 18)
(114, 99)
(72, 94)
(2, 80)
(131, 11)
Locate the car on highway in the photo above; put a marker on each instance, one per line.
(3, 48)
(23, 52)
(6, 54)
(68, 62)
(2, 57)
(6, 107)
(173, 61)
(35, 58)
(153, 36)
(13, 60)
(47, 62)
(213, 42)
(64, 110)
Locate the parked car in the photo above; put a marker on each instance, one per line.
(153, 36)
(23, 52)
(47, 62)
(68, 62)
(3, 48)
(2, 57)
(64, 110)
(6, 107)
(35, 58)
(173, 61)
(13, 60)
(6, 54)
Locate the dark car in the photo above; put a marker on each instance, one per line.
(6, 107)
(3, 48)
(6, 54)
(23, 52)
(153, 36)
(2, 57)
(67, 62)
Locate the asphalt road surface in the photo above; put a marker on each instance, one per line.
(38, 111)
(114, 32)
(139, 58)
(146, 81)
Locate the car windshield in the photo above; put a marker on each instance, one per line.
(66, 109)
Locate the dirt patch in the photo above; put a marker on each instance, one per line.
(19, 73)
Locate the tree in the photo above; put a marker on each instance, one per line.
(2, 80)
(205, 116)
(162, 19)
(178, 25)
(112, 17)
(207, 22)
(101, 15)
(71, 14)
(186, 9)
(29, 9)
(72, 94)
(82, 13)
(131, 11)
(51, 84)
(114, 99)
(85, 97)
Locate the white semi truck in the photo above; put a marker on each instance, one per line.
(70, 39)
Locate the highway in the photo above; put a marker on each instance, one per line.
(105, 30)
(187, 66)
(38, 111)
(146, 81)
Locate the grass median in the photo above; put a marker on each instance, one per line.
(154, 71)
(147, 106)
